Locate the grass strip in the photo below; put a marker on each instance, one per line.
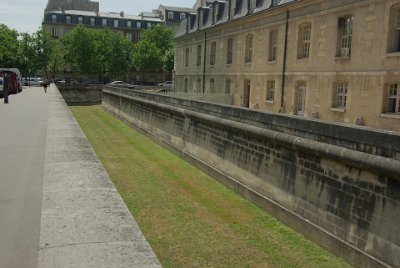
(189, 219)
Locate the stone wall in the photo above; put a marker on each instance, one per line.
(79, 94)
(344, 195)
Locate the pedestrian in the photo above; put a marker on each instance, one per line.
(45, 86)
(5, 87)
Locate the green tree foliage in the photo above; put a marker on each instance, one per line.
(9, 47)
(31, 54)
(80, 50)
(99, 52)
(47, 53)
(155, 50)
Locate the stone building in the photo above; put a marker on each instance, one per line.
(60, 19)
(324, 59)
(172, 16)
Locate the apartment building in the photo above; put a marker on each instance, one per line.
(325, 59)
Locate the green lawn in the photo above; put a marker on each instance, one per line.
(189, 219)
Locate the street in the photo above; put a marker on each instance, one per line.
(23, 125)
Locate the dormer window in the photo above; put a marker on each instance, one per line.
(216, 14)
(54, 18)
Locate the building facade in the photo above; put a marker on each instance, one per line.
(61, 22)
(61, 17)
(325, 59)
(172, 16)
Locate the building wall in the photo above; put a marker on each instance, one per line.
(367, 70)
(338, 185)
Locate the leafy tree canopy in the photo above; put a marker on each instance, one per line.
(155, 49)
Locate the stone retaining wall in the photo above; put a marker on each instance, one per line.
(343, 195)
(79, 94)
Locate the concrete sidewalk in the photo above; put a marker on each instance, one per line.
(84, 221)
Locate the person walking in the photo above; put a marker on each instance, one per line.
(5, 87)
(45, 86)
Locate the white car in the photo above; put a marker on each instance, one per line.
(166, 84)
(33, 81)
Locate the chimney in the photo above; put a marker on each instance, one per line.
(121, 14)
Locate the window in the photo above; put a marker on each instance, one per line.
(182, 16)
(393, 98)
(270, 93)
(138, 25)
(149, 25)
(68, 20)
(187, 57)
(212, 53)
(273, 45)
(212, 86)
(345, 31)
(53, 18)
(248, 55)
(129, 36)
(216, 14)
(229, 51)
(80, 20)
(198, 62)
(339, 94)
(252, 5)
(228, 83)
(129, 24)
(304, 41)
(54, 32)
(196, 89)
(104, 22)
(186, 88)
(394, 35)
(116, 23)
(170, 15)
(300, 98)
(92, 21)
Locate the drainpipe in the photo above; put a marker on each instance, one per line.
(282, 109)
(204, 63)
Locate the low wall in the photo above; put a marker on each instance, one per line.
(345, 198)
(79, 94)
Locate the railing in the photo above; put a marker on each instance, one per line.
(226, 99)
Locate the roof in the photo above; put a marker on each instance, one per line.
(111, 15)
(178, 9)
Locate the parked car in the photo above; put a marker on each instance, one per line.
(166, 84)
(33, 81)
(14, 80)
(119, 84)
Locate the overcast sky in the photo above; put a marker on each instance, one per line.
(27, 15)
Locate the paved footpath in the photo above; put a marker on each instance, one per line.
(58, 206)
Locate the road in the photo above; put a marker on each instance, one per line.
(23, 126)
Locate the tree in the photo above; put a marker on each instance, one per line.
(47, 51)
(115, 52)
(9, 48)
(99, 52)
(155, 50)
(80, 51)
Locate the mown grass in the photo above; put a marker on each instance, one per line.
(188, 218)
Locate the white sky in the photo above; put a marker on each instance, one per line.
(27, 15)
